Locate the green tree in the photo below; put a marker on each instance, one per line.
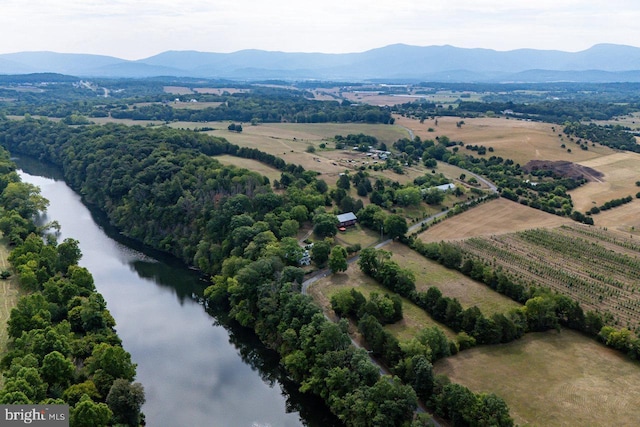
(338, 259)
(395, 226)
(344, 182)
(107, 363)
(325, 225)
(57, 369)
(409, 196)
(434, 196)
(88, 413)
(68, 254)
(320, 253)
(125, 400)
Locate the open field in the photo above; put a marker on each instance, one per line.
(378, 97)
(250, 164)
(415, 319)
(357, 235)
(451, 283)
(178, 90)
(518, 140)
(290, 141)
(631, 121)
(621, 170)
(497, 216)
(184, 90)
(597, 268)
(182, 105)
(553, 379)
(9, 295)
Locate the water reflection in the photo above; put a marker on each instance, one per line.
(197, 370)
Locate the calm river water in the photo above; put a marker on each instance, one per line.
(196, 370)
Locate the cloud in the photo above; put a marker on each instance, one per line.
(137, 29)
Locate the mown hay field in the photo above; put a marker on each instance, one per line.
(620, 171)
(291, 142)
(451, 283)
(494, 217)
(553, 379)
(415, 319)
(518, 140)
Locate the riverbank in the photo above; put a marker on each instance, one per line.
(10, 292)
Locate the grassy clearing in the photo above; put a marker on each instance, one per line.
(415, 319)
(9, 294)
(451, 283)
(553, 379)
(494, 217)
(357, 235)
(250, 164)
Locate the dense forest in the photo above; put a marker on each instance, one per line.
(63, 348)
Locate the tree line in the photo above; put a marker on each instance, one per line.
(412, 360)
(542, 310)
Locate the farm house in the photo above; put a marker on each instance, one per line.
(346, 219)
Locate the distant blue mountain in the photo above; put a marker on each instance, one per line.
(603, 62)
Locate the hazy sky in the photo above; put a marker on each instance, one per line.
(135, 29)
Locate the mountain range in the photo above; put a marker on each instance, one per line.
(399, 62)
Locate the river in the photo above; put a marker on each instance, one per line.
(196, 369)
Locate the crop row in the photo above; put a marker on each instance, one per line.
(597, 277)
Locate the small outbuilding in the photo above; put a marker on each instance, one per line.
(346, 219)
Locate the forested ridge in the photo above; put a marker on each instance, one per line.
(159, 186)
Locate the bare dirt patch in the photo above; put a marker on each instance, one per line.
(495, 217)
(553, 379)
(564, 169)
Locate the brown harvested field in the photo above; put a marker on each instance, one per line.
(514, 139)
(415, 319)
(9, 295)
(451, 283)
(620, 172)
(178, 90)
(494, 217)
(631, 121)
(375, 97)
(625, 218)
(290, 142)
(250, 164)
(553, 379)
(219, 90)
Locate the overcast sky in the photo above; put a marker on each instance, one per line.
(135, 29)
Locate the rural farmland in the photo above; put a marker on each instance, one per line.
(597, 268)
